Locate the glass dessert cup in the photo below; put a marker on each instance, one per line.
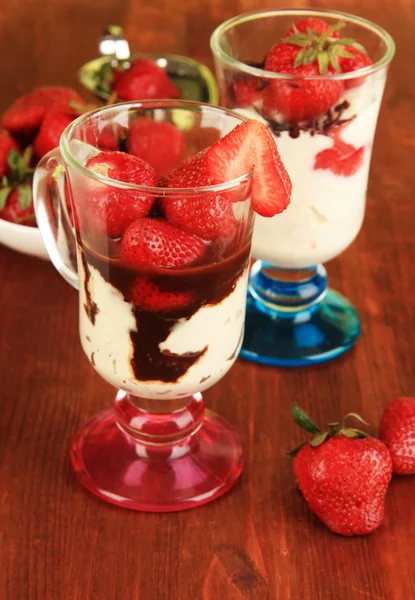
(157, 449)
(292, 317)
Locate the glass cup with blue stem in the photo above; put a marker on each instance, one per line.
(293, 318)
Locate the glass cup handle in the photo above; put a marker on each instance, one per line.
(52, 215)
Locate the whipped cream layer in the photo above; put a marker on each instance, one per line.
(217, 328)
(326, 210)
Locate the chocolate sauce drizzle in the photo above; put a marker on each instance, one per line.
(90, 306)
(209, 284)
(320, 124)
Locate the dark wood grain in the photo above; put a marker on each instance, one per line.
(260, 541)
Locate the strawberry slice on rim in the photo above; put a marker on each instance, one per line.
(248, 147)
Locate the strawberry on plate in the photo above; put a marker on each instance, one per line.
(343, 475)
(16, 203)
(26, 113)
(250, 146)
(144, 80)
(53, 125)
(111, 209)
(160, 143)
(157, 243)
(341, 159)
(146, 294)
(7, 143)
(397, 430)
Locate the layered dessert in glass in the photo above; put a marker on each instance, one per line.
(316, 79)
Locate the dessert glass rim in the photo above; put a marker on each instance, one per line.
(70, 159)
(259, 14)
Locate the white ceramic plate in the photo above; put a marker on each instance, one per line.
(27, 240)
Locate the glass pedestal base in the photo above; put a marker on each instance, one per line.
(296, 323)
(124, 463)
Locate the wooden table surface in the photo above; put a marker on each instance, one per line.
(57, 542)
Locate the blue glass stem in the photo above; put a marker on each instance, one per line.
(294, 319)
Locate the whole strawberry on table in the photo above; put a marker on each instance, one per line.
(343, 474)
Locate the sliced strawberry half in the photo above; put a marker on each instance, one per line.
(149, 296)
(342, 159)
(160, 143)
(112, 209)
(250, 146)
(157, 243)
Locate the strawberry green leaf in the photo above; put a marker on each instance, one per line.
(333, 60)
(359, 47)
(310, 56)
(352, 433)
(345, 41)
(4, 181)
(323, 62)
(303, 420)
(299, 59)
(13, 158)
(344, 53)
(319, 439)
(355, 416)
(58, 171)
(4, 194)
(25, 196)
(26, 157)
(296, 450)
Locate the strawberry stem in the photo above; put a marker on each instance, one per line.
(334, 429)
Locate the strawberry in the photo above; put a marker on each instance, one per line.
(26, 113)
(144, 80)
(397, 430)
(148, 295)
(16, 203)
(341, 159)
(298, 99)
(314, 23)
(108, 137)
(343, 475)
(358, 60)
(157, 243)
(18, 206)
(246, 92)
(53, 125)
(112, 209)
(209, 215)
(160, 143)
(7, 143)
(312, 48)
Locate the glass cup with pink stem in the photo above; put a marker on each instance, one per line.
(160, 336)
